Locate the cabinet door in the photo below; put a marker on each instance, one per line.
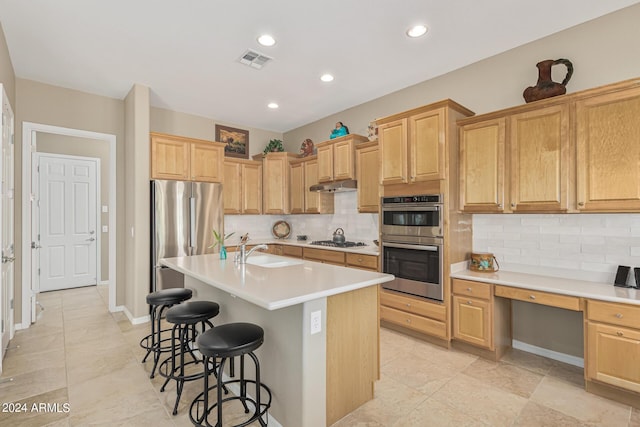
(427, 146)
(482, 166)
(311, 198)
(276, 185)
(539, 150)
(392, 139)
(612, 356)
(206, 162)
(325, 163)
(343, 161)
(472, 321)
(252, 188)
(368, 176)
(169, 158)
(232, 187)
(608, 152)
(297, 189)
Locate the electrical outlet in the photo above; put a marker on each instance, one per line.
(316, 322)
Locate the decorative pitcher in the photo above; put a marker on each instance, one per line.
(546, 88)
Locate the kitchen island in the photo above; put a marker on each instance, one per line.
(316, 378)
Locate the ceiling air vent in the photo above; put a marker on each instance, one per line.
(254, 59)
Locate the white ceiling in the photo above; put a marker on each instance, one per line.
(187, 52)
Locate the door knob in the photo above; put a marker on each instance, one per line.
(35, 245)
(6, 259)
(91, 239)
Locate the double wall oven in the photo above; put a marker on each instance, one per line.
(412, 241)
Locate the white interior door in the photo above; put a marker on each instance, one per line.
(6, 227)
(67, 220)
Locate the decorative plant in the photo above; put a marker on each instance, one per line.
(218, 239)
(274, 145)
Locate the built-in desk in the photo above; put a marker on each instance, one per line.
(611, 316)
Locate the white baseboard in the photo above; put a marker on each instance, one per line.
(550, 354)
(118, 308)
(136, 320)
(104, 282)
(19, 326)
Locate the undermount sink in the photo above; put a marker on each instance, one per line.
(269, 261)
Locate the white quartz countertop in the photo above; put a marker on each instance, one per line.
(370, 249)
(556, 285)
(274, 288)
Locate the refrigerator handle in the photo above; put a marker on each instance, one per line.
(192, 223)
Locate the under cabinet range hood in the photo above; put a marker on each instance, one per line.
(336, 186)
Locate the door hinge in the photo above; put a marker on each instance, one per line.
(2, 329)
(38, 272)
(11, 304)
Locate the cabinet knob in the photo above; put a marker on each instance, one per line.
(408, 320)
(469, 290)
(513, 205)
(620, 334)
(408, 305)
(580, 203)
(469, 302)
(500, 205)
(532, 297)
(619, 315)
(359, 259)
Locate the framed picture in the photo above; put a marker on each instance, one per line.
(236, 140)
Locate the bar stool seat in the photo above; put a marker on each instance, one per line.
(225, 342)
(160, 301)
(185, 317)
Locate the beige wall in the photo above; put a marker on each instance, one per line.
(137, 200)
(40, 103)
(85, 147)
(182, 124)
(7, 76)
(602, 51)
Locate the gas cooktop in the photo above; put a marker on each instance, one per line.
(337, 245)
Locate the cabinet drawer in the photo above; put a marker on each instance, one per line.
(332, 257)
(363, 261)
(414, 305)
(412, 321)
(616, 314)
(537, 297)
(293, 251)
(471, 289)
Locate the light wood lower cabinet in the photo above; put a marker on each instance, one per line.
(414, 313)
(323, 255)
(365, 262)
(612, 353)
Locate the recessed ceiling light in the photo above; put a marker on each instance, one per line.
(326, 78)
(272, 105)
(417, 31)
(266, 40)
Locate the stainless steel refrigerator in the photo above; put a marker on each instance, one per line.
(183, 213)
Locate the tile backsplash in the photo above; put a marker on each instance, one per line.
(581, 246)
(356, 226)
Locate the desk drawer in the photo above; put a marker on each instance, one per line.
(616, 314)
(323, 255)
(293, 251)
(413, 305)
(472, 289)
(537, 297)
(411, 321)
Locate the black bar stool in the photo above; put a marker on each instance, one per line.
(224, 342)
(185, 317)
(159, 302)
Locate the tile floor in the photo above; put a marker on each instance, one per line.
(81, 355)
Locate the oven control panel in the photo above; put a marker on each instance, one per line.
(425, 198)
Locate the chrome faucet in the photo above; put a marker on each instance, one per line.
(244, 254)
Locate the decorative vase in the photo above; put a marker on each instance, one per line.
(545, 87)
(223, 252)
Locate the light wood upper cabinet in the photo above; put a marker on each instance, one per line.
(180, 158)
(276, 183)
(336, 158)
(368, 176)
(482, 166)
(608, 151)
(427, 146)
(304, 174)
(392, 137)
(242, 187)
(539, 154)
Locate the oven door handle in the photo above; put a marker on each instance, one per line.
(410, 208)
(416, 247)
